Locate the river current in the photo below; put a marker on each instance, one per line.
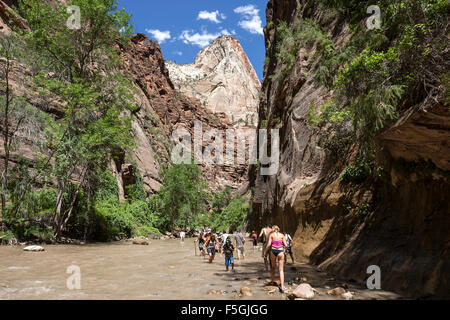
(162, 270)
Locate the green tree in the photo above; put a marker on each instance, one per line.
(182, 198)
(232, 217)
(84, 81)
(7, 51)
(221, 199)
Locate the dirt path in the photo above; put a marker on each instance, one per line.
(161, 270)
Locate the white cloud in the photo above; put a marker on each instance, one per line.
(160, 36)
(251, 20)
(250, 10)
(211, 16)
(178, 53)
(201, 39)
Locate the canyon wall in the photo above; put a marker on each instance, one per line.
(405, 229)
(161, 109)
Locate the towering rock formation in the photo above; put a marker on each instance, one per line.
(405, 229)
(161, 110)
(223, 79)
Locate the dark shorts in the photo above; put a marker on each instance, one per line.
(276, 252)
(255, 243)
(289, 250)
(212, 251)
(228, 260)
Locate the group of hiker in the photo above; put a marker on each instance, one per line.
(276, 245)
(209, 243)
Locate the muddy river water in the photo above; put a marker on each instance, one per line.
(161, 270)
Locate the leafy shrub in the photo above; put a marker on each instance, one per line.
(123, 220)
(303, 32)
(356, 173)
(364, 209)
(232, 217)
(181, 199)
(6, 236)
(378, 74)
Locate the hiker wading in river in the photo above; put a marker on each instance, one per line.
(211, 247)
(182, 236)
(264, 234)
(240, 241)
(254, 238)
(228, 249)
(276, 245)
(201, 243)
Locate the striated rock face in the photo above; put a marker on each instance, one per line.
(8, 18)
(223, 79)
(406, 231)
(163, 110)
(422, 134)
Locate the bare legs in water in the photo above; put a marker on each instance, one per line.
(273, 265)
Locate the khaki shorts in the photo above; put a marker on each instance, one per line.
(264, 248)
(240, 250)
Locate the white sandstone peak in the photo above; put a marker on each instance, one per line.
(223, 79)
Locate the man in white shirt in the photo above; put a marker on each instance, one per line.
(182, 236)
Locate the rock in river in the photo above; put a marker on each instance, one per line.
(304, 291)
(33, 248)
(246, 291)
(336, 291)
(347, 296)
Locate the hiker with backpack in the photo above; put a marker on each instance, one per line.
(210, 245)
(254, 238)
(228, 249)
(289, 242)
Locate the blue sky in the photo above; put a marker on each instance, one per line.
(183, 27)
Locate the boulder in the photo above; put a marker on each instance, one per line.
(304, 291)
(141, 243)
(246, 291)
(251, 281)
(34, 248)
(270, 288)
(214, 292)
(347, 296)
(336, 291)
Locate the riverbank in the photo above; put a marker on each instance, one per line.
(162, 270)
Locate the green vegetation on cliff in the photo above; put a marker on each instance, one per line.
(375, 74)
(76, 70)
(76, 119)
(379, 73)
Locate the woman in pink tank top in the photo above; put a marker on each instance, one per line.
(276, 245)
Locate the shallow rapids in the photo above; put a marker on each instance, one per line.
(162, 270)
